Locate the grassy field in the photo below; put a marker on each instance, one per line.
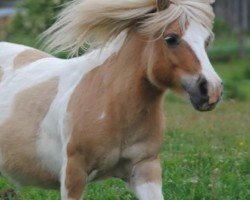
(205, 156)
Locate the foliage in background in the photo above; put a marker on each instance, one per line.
(34, 17)
(234, 70)
(221, 28)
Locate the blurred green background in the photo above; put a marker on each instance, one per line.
(205, 155)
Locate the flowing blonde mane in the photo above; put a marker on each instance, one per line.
(97, 22)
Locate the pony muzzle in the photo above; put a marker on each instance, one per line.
(204, 95)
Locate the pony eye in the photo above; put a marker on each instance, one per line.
(172, 40)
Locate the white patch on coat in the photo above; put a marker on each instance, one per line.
(70, 72)
(8, 53)
(149, 191)
(25, 78)
(196, 36)
(55, 126)
(102, 116)
(63, 189)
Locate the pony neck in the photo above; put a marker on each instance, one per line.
(128, 68)
(119, 86)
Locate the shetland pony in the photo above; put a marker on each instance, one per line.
(65, 123)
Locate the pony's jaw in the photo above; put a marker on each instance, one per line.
(205, 89)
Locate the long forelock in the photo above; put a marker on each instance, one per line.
(185, 11)
(97, 22)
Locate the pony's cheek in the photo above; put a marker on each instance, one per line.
(163, 75)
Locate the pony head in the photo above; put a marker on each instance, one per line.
(178, 57)
(177, 34)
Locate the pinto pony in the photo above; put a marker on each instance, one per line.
(65, 123)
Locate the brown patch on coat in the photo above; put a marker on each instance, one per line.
(132, 129)
(28, 56)
(1, 73)
(18, 135)
(75, 177)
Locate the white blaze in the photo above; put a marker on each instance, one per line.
(196, 36)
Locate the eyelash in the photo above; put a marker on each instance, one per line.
(172, 40)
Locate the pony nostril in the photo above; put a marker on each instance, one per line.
(203, 87)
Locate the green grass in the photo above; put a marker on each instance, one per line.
(206, 155)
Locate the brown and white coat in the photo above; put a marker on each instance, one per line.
(64, 123)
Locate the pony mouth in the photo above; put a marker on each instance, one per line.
(202, 104)
(199, 96)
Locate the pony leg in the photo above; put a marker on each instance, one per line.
(73, 179)
(146, 180)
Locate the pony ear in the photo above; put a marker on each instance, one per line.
(162, 4)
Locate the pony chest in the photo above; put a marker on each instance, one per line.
(129, 149)
(120, 163)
